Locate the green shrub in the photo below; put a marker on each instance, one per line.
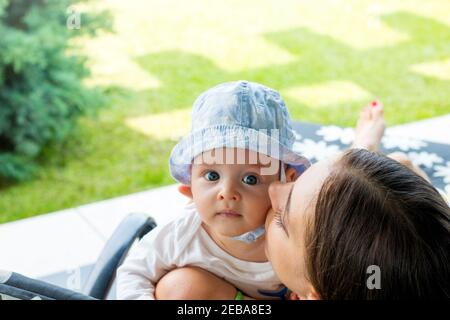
(41, 88)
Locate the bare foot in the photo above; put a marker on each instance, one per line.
(370, 127)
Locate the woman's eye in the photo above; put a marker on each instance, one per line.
(212, 176)
(277, 219)
(250, 179)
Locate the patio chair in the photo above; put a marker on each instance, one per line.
(101, 278)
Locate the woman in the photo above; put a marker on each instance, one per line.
(344, 220)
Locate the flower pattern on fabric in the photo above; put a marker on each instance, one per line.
(335, 133)
(315, 150)
(425, 159)
(319, 142)
(444, 172)
(402, 143)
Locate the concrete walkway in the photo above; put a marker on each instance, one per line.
(69, 239)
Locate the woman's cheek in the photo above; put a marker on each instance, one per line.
(269, 219)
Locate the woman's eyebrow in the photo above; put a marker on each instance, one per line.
(286, 210)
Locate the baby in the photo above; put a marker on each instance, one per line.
(241, 140)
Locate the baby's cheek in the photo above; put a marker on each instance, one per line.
(262, 211)
(267, 206)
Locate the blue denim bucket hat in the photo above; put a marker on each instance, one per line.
(239, 114)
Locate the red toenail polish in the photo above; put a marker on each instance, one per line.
(374, 103)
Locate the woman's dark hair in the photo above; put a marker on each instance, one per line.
(372, 210)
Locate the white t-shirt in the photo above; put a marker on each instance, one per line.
(184, 242)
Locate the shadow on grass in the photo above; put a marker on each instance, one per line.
(384, 72)
(102, 158)
(105, 158)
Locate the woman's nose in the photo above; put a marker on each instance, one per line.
(278, 193)
(228, 193)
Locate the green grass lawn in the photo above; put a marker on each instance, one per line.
(327, 58)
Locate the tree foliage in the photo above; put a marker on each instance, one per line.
(41, 79)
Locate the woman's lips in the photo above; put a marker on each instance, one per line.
(229, 213)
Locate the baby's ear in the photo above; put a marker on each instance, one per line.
(185, 190)
(291, 174)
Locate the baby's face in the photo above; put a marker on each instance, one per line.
(232, 198)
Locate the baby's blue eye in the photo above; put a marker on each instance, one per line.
(212, 176)
(250, 179)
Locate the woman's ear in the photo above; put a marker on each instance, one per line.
(291, 174)
(185, 190)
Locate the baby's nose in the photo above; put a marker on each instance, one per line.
(228, 193)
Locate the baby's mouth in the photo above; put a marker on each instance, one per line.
(229, 213)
